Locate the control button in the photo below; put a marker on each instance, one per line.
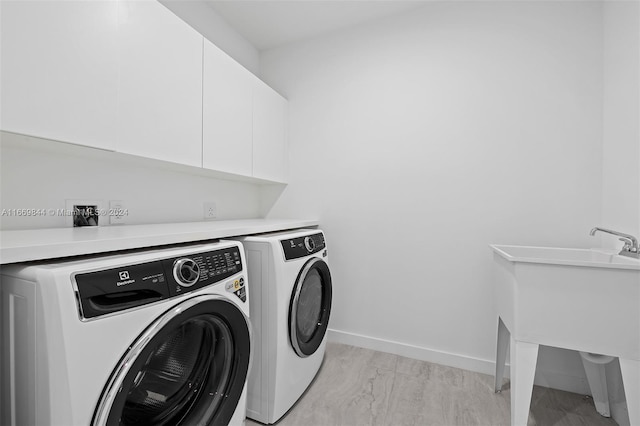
(242, 294)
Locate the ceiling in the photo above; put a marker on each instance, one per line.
(268, 24)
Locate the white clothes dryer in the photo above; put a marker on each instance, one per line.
(291, 289)
(155, 337)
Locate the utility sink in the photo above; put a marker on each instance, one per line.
(581, 299)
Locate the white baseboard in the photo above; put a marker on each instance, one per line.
(548, 379)
(415, 352)
(561, 381)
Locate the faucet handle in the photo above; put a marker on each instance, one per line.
(628, 244)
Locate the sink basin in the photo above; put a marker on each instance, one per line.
(582, 299)
(597, 258)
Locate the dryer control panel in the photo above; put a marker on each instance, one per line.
(117, 289)
(295, 248)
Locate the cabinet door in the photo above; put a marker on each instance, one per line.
(269, 133)
(59, 70)
(227, 113)
(160, 89)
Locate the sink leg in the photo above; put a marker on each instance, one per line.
(524, 357)
(630, 370)
(501, 353)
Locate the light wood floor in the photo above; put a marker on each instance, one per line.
(358, 386)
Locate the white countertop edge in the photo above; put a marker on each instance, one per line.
(39, 244)
(593, 264)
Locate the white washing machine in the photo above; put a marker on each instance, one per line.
(156, 337)
(290, 285)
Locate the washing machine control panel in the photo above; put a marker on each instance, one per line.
(117, 289)
(203, 269)
(295, 248)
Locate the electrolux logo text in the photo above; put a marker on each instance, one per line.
(124, 278)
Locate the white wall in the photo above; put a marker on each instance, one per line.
(621, 144)
(213, 27)
(420, 139)
(41, 174)
(621, 148)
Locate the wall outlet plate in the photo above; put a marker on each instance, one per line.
(210, 210)
(82, 212)
(117, 212)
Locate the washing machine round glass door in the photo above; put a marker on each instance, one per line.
(188, 367)
(310, 307)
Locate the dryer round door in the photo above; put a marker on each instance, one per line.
(188, 367)
(310, 307)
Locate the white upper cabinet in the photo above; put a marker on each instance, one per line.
(227, 113)
(270, 159)
(159, 112)
(59, 70)
(244, 120)
(130, 76)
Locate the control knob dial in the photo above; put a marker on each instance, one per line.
(186, 272)
(309, 244)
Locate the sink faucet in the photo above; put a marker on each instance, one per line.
(630, 249)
